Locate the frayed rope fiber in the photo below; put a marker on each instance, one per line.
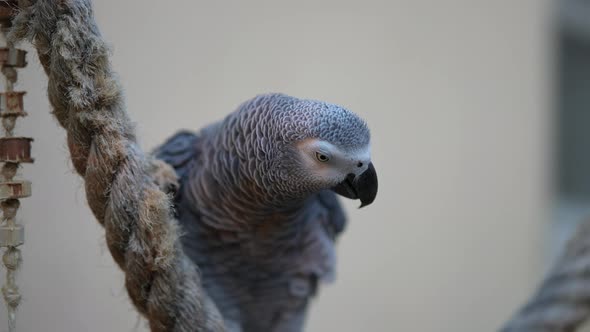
(87, 100)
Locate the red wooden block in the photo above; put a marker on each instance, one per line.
(15, 149)
(11, 103)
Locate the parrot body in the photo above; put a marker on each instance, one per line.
(256, 208)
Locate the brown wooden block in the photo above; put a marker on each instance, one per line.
(8, 9)
(13, 57)
(15, 149)
(11, 103)
(15, 190)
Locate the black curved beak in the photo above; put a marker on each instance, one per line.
(363, 187)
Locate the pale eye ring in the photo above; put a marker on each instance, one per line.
(321, 157)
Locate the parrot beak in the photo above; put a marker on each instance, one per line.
(363, 186)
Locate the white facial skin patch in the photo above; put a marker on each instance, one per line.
(329, 164)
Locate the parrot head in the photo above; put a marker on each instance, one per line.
(322, 147)
(349, 173)
(333, 149)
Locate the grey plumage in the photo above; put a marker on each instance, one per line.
(260, 229)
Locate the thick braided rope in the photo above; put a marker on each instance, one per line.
(141, 234)
(562, 302)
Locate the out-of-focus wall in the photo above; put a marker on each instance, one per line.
(456, 94)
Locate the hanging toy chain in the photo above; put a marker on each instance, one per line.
(13, 151)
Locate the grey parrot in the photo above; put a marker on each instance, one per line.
(256, 201)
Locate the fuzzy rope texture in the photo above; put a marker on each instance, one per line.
(141, 232)
(562, 302)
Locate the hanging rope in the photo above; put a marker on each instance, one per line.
(13, 152)
(562, 302)
(141, 233)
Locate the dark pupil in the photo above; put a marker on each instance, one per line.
(322, 157)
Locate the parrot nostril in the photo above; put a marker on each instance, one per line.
(360, 164)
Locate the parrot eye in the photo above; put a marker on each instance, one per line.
(321, 157)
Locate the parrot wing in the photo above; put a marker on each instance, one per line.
(180, 152)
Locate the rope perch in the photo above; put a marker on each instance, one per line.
(87, 101)
(562, 302)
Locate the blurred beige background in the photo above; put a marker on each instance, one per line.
(456, 94)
